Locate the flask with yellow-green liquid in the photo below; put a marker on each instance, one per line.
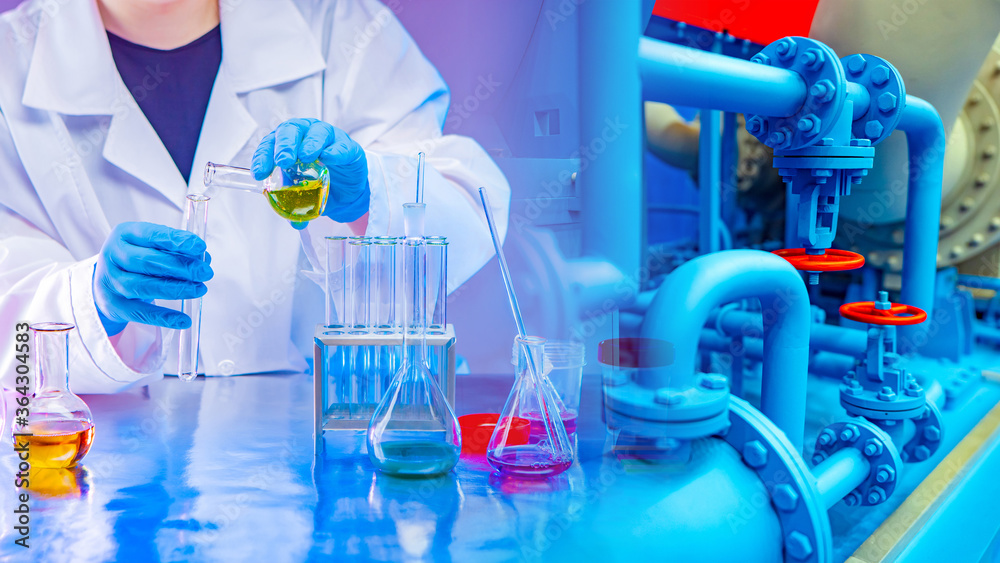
(297, 194)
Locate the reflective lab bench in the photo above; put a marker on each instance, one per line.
(223, 469)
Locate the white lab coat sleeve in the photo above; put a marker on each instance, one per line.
(389, 98)
(40, 281)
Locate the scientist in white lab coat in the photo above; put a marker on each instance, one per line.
(109, 110)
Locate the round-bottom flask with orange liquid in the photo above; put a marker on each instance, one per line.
(58, 429)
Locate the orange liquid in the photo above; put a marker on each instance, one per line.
(58, 483)
(58, 444)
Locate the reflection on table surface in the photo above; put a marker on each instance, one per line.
(223, 469)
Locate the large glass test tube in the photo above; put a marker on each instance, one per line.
(383, 278)
(437, 284)
(359, 256)
(336, 282)
(189, 339)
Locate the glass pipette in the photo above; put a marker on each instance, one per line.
(420, 177)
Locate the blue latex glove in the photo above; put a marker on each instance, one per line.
(309, 140)
(141, 262)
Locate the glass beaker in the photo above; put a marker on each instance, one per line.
(564, 361)
(297, 194)
(532, 398)
(189, 339)
(413, 431)
(60, 428)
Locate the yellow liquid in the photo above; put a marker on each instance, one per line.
(301, 202)
(58, 444)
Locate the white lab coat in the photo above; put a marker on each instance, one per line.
(77, 156)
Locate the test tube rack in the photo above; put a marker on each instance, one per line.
(352, 372)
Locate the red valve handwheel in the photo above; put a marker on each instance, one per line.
(832, 260)
(865, 312)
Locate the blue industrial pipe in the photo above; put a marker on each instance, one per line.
(979, 282)
(831, 365)
(860, 98)
(611, 129)
(689, 295)
(925, 144)
(840, 474)
(986, 333)
(695, 78)
(831, 338)
(825, 364)
(709, 182)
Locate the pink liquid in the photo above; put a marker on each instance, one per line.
(537, 431)
(528, 461)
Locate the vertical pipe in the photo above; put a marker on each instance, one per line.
(925, 141)
(611, 133)
(730, 161)
(709, 181)
(189, 339)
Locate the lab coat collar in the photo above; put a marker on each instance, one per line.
(264, 43)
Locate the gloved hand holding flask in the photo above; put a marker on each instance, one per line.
(308, 140)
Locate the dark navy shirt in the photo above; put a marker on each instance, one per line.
(172, 89)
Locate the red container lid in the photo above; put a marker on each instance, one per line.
(635, 353)
(478, 428)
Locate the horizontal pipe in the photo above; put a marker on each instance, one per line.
(830, 338)
(860, 98)
(689, 295)
(753, 348)
(925, 142)
(690, 77)
(831, 365)
(986, 333)
(825, 364)
(840, 474)
(935, 393)
(979, 282)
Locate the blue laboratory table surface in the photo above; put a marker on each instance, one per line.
(223, 470)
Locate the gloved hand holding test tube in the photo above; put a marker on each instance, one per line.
(189, 339)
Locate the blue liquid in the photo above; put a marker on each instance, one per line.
(528, 461)
(416, 458)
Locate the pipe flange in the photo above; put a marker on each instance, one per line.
(805, 525)
(886, 91)
(927, 438)
(875, 445)
(825, 83)
(883, 404)
(692, 412)
(678, 430)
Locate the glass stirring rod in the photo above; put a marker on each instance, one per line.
(552, 454)
(503, 263)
